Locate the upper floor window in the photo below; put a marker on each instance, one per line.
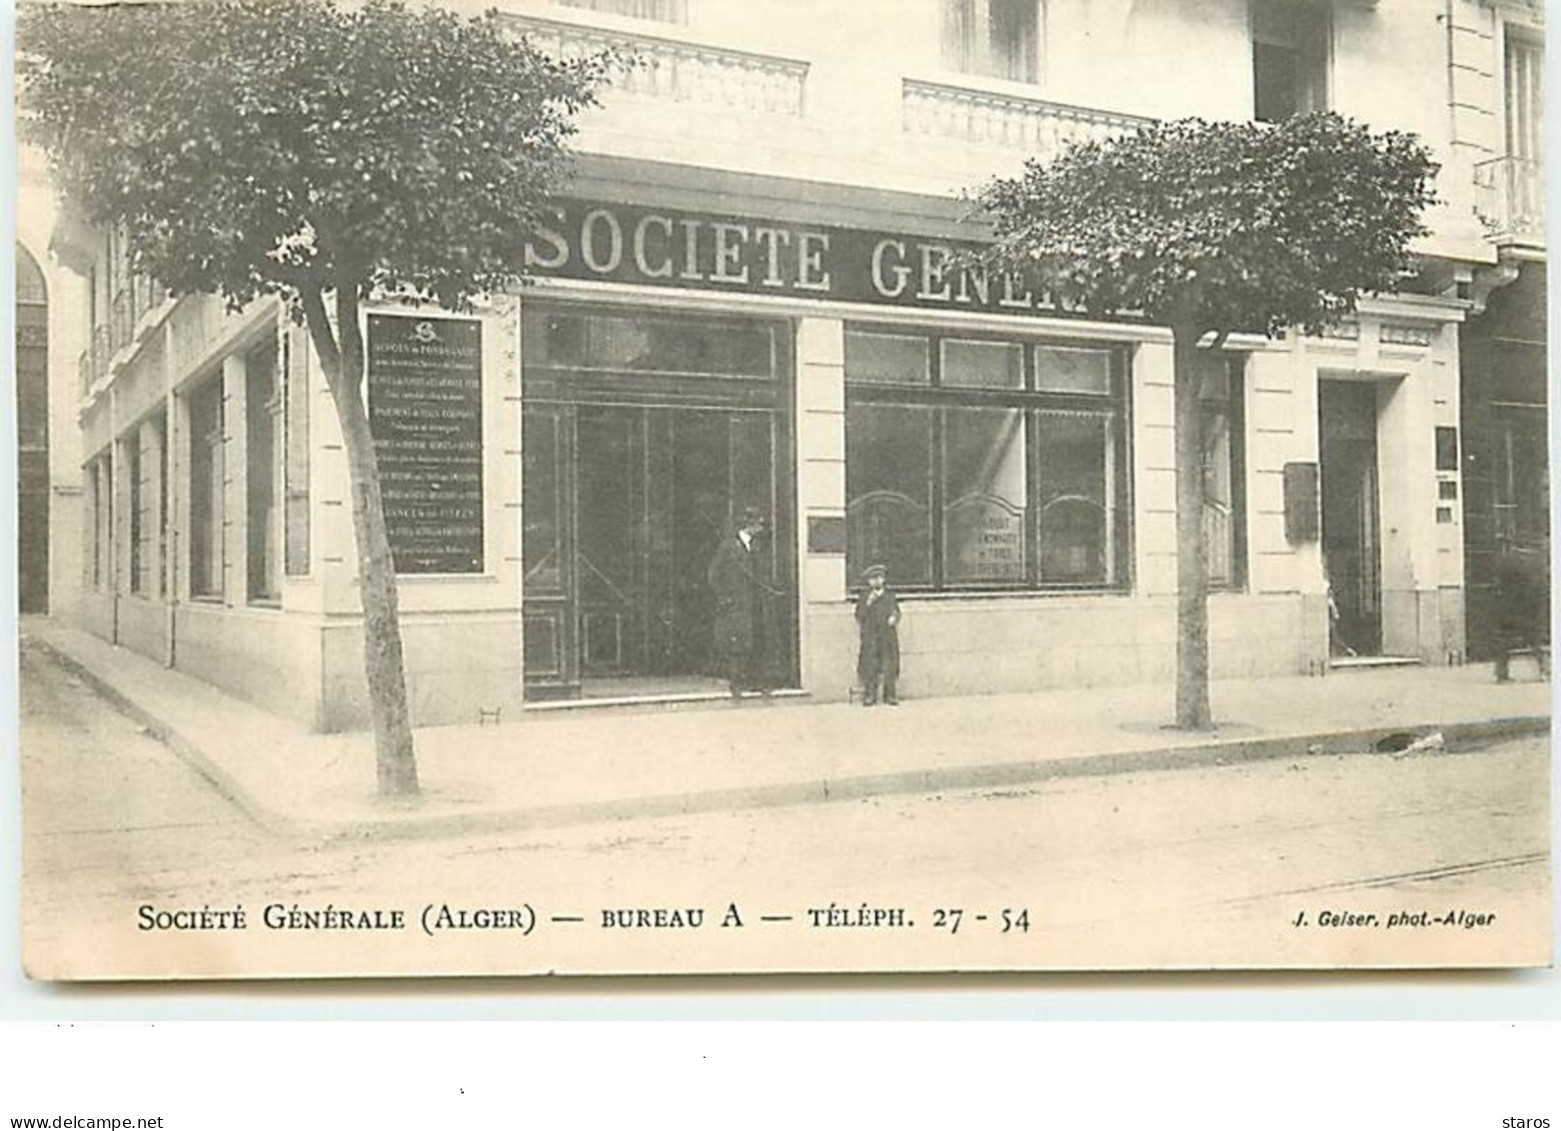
(996, 38)
(1289, 58)
(1524, 98)
(665, 11)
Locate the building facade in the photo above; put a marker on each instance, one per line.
(1506, 467)
(748, 298)
(48, 335)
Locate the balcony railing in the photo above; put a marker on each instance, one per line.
(126, 308)
(658, 67)
(1041, 127)
(1511, 199)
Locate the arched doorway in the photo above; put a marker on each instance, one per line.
(32, 433)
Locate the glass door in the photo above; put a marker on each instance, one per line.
(630, 484)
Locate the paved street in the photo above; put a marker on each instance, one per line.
(1206, 866)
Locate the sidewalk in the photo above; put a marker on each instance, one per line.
(562, 767)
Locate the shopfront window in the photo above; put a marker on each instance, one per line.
(889, 481)
(984, 494)
(263, 422)
(148, 498)
(206, 489)
(627, 344)
(1076, 497)
(1017, 451)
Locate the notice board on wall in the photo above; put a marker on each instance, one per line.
(425, 412)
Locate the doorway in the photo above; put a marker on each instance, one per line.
(630, 482)
(1351, 516)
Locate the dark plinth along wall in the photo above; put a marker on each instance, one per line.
(32, 434)
(1506, 467)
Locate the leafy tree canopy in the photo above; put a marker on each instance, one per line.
(1219, 226)
(263, 146)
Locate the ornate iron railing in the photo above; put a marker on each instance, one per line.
(1511, 199)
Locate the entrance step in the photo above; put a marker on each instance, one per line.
(1349, 663)
(671, 700)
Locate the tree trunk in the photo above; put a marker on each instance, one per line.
(1192, 573)
(395, 758)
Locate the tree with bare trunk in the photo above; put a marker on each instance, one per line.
(1209, 229)
(322, 154)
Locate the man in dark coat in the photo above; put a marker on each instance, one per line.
(744, 624)
(878, 620)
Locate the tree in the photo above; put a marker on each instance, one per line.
(1211, 228)
(293, 148)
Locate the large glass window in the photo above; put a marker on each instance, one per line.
(996, 38)
(1076, 497)
(889, 482)
(206, 489)
(996, 466)
(984, 493)
(625, 343)
(1289, 58)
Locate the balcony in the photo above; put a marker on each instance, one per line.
(990, 118)
(1510, 200)
(678, 71)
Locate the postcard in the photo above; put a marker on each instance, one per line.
(667, 487)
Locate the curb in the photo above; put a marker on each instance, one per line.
(1459, 737)
(187, 751)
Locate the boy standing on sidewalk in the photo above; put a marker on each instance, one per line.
(878, 618)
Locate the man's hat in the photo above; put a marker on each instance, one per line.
(875, 570)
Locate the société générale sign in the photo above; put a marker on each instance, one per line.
(664, 247)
